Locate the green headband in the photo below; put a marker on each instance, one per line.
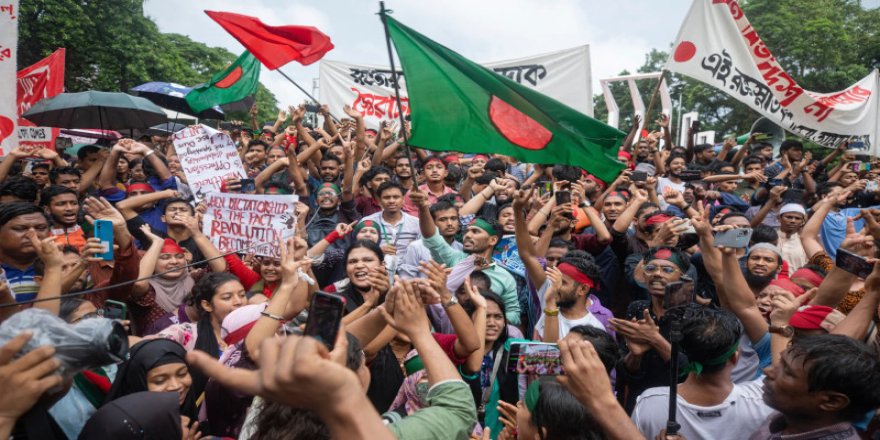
(413, 365)
(696, 367)
(532, 394)
(484, 225)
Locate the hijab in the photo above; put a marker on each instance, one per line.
(143, 357)
(141, 415)
(170, 293)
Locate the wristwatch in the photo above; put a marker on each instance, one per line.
(553, 312)
(452, 301)
(784, 330)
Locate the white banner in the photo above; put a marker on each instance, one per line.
(8, 75)
(718, 46)
(208, 157)
(563, 75)
(239, 221)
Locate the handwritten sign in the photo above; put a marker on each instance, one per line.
(245, 221)
(208, 157)
(8, 71)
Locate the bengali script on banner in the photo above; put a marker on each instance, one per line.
(41, 80)
(718, 46)
(563, 75)
(8, 70)
(245, 222)
(208, 157)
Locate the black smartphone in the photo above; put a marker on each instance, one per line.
(695, 126)
(734, 238)
(854, 264)
(690, 175)
(678, 294)
(247, 186)
(562, 197)
(114, 309)
(325, 317)
(313, 108)
(534, 358)
(638, 176)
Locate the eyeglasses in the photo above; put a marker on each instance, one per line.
(327, 194)
(651, 268)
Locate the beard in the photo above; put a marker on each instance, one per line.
(757, 282)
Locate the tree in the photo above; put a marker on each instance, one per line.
(112, 46)
(826, 45)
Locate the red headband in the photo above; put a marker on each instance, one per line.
(140, 186)
(810, 276)
(601, 184)
(786, 284)
(171, 247)
(435, 159)
(486, 158)
(658, 218)
(810, 317)
(575, 274)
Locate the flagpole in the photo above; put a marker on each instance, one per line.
(304, 92)
(654, 98)
(382, 15)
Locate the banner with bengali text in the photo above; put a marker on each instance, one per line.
(8, 70)
(562, 75)
(247, 222)
(43, 79)
(718, 46)
(207, 157)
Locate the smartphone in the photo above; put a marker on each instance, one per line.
(871, 186)
(695, 126)
(247, 186)
(104, 232)
(690, 175)
(678, 294)
(546, 188)
(734, 238)
(115, 309)
(857, 145)
(638, 176)
(313, 108)
(325, 317)
(856, 166)
(854, 264)
(562, 197)
(534, 358)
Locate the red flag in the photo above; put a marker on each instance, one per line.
(43, 79)
(275, 46)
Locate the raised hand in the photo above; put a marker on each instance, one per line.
(351, 112)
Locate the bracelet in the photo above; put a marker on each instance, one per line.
(332, 237)
(148, 153)
(554, 312)
(273, 316)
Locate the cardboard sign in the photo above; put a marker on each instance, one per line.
(241, 222)
(208, 157)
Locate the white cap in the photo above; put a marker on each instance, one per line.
(793, 207)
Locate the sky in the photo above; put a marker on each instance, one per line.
(619, 32)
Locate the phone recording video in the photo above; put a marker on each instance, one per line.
(534, 358)
(678, 294)
(854, 264)
(325, 317)
(737, 238)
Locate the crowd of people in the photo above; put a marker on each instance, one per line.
(449, 264)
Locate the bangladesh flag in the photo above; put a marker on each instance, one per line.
(236, 82)
(456, 104)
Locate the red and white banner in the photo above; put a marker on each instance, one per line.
(563, 75)
(43, 79)
(718, 46)
(8, 69)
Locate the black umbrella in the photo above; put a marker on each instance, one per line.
(173, 97)
(93, 109)
(165, 129)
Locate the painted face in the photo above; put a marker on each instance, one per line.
(360, 262)
(327, 198)
(170, 378)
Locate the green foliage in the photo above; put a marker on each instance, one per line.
(112, 46)
(826, 45)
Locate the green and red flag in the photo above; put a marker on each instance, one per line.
(236, 82)
(456, 104)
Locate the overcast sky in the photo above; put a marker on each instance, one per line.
(619, 32)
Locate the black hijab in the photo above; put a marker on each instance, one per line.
(143, 357)
(141, 415)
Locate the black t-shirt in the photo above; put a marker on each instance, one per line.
(386, 377)
(134, 228)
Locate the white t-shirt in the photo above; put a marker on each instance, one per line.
(662, 184)
(741, 413)
(565, 324)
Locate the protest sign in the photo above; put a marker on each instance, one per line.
(563, 75)
(43, 79)
(207, 157)
(718, 46)
(239, 221)
(8, 69)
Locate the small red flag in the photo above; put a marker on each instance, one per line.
(275, 46)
